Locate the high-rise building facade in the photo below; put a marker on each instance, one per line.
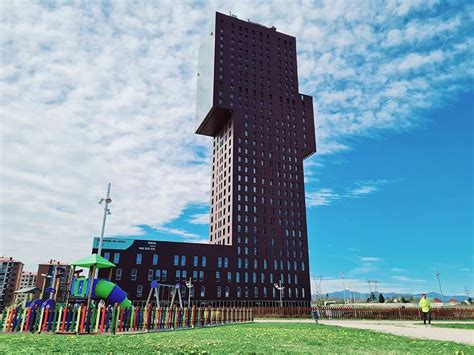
(262, 129)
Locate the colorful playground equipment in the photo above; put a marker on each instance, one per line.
(87, 288)
(155, 289)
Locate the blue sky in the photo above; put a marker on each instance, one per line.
(104, 91)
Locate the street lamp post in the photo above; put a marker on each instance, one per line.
(107, 200)
(189, 285)
(280, 288)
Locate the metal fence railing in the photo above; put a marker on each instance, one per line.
(394, 313)
(358, 312)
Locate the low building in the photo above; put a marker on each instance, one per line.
(10, 276)
(219, 275)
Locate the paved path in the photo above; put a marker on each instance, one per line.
(408, 328)
(404, 328)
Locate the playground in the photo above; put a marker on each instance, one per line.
(98, 306)
(245, 338)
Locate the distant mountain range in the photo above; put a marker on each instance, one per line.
(364, 296)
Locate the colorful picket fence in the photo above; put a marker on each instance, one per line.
(113, 320)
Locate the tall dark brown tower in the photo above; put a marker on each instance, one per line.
(263, 128)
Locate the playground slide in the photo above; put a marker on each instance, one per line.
(110, 292)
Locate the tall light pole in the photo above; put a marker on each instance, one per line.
(107, 200)
(189, 285)
(107, 212)
(280, 288)
(343, 287)
(439, 283)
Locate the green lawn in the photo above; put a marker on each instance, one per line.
(265, 338)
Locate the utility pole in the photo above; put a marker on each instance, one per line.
(318, 289)
(343, 287)
(439, 283)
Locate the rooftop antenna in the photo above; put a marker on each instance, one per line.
(439, 283)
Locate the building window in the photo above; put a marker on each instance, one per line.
(203, 291)
(155, 259)
(158, 275)
(255, 291)
(226, 262)
(139, 290)
(183, 260)
(219, 262)
(227, 291)
(176, 260)
(239, 292)
(184, 275)
(201, 275)
(246, 292)
(196, 261)
(203, 261)
(116, 258)
(107, 255)
(164, 275)
(219, 292)
(195, 275)
(150, 275)
(218, 276)
(237, 277)
(134, 274)
(178, 275)
(139, 259)
(265, 294)
(118, 274)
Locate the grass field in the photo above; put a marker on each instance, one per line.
(245, 338)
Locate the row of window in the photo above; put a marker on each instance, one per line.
(182, 258)
(225, 291)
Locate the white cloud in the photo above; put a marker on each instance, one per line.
(93, 93)
(322, 197)
(406, 279)
(326, 196)
(396, 269)
(179, 232)
(201, 218)
(370, 259)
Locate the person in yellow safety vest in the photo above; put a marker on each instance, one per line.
(425, 306)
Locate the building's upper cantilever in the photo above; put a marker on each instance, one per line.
(244, 66)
